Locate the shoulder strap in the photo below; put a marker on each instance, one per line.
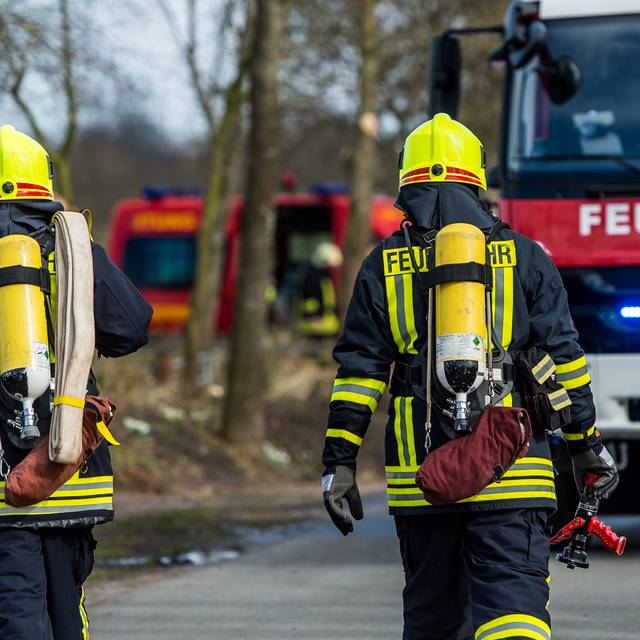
(497, 227)
(46, 238)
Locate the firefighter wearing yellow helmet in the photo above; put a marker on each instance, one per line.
(26, 172)
(443, 150)
(429, 304)
(49, 545)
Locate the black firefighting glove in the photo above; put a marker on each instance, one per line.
(598, 461)
(339, 485)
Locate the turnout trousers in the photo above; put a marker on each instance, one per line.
(475, 575)
(41, 576)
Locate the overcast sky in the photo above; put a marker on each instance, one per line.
(137, 36)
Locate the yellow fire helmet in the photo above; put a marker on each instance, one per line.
(26, 172)
(442, 150)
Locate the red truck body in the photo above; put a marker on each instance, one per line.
(153, 239)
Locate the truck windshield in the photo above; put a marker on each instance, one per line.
(605, 306)
(161, 262)
(597, 129)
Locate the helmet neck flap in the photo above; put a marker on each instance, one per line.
(433, 206)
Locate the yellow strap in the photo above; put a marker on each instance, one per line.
(68, 400)
(106, 434)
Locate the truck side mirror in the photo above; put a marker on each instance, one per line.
(444, 82)
(564, 80)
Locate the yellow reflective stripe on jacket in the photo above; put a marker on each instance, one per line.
(403, 429)
(527, 478)
(345, 435)
(365, 391)
(574, 374)
(507, 401)
(401, 312)
(503, 262)
(77, 494)
(544, 369)
(559, 399)
(328, 294)
(579, 436)
(514, 625)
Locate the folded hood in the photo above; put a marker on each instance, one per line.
(433, 206)
(26, 216)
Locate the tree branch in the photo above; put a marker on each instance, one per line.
(68, 80)
(23, 105)
(191, 50)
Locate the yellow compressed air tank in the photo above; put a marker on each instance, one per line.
(24, 346)
(460, 336)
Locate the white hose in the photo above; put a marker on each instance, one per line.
(75, 334)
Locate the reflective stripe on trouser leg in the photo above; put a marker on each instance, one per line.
(507, 562)
(515, 625)
(83, 616)
(403, 429)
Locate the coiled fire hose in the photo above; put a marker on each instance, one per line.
(74, 336)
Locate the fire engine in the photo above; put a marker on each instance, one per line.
(153, 240)
(569, 177)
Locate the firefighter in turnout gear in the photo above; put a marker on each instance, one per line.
(46, 549)
(476, 569)
(318, 311)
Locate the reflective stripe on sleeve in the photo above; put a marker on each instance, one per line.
(574, 374)
(345, 435)
(559, 399)
(579, 436)
(364, 391)
(543, 369)
(514, 625)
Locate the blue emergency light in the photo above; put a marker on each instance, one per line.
(630, 312)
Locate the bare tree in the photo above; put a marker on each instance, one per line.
(18, 35)
(244, 417)
(364, 152)
(211, 91)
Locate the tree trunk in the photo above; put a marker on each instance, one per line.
(204, 297)
(357, 235)
(244, 415)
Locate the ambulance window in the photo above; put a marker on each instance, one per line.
(605, 306)
(162, 262)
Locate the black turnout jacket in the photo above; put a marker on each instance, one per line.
(385, 325)
(122, 318)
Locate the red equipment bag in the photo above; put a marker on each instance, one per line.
(37, 477)
(463, 467)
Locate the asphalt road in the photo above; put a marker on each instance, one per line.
(318, 585)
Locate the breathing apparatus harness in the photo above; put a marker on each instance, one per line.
(499, 380)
